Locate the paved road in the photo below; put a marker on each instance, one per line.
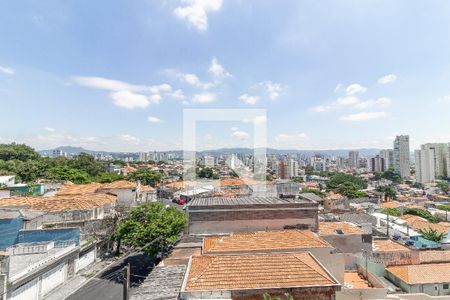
(109, 284)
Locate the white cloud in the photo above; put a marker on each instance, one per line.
(248, 99)
(382, 102)
(154, 119)
(234, 128)
(320, 108)
(178, 94)
(129, 138)
(338, 87)
(387, 79)
(155, 98)
(6, 70)
(445, 99)
(205, 97)
(195, 12)
(129, 100)
(354, 89)
(240, 135)
(217, 70)
(117, 85)
(272, 88)
(49, 129)
(348, 100)
(191, 79)
(363, 116)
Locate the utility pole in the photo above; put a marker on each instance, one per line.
(387, 225)
(126, 282)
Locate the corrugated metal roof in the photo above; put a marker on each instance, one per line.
(243, 201)
(163, 283)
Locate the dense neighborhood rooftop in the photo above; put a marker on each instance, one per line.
(422, 274)
(334, 228)
(263, 240)
(60, 202)
(388, 246)
(258, 271)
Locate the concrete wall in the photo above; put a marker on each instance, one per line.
(227, 219)
(397, 258)
(350, 243)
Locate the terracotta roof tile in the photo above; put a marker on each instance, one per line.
(76, 189)
(422, 274)
(389, 205)
(434, 256)
(354, 280)
(330, 228)
(60, 202)
(263, 240)
(388, 246)
(258, 271)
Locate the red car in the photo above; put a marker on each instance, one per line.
(180, 202)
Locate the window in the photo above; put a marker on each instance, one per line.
(445, 286)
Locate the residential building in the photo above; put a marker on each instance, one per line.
(7, 180)
(226, 215)
(249, 276)
(377, 164)
(425, 165)
(431, 279)
(209, 161)
(402, 156)
(346, 237)
(388, 156)
(353, 159)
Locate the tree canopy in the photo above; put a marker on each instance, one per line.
(146, 176)
(151, 222)
(347, 185)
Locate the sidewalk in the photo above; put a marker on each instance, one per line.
(70, 286)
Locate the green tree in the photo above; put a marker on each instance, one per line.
(338, 179)
(389, 192)
(423, 214)
(17, 151)
(146, 176)
(392, 176)
(108, 177)
(87, 163)
(432, 235)
(64, 173)
(443, 185)
(395, 212)
(151, 226)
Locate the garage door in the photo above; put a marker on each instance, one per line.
(53, 278)
(85, 260)
(28, 291)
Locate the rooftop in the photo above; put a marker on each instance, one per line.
(388, 246)
(354, 280)
(76, 189)
(434, 256)
(163, 283)
(339, 228)
(263, 240)
(422, 274)
(257, 271)
(243, 201)
(389, 205)
(60, 202)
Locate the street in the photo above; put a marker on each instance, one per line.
(109, 283)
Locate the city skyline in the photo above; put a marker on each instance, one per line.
(119, 80)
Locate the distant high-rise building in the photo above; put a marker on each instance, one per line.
(353, 158)
(209, 161)
(401, 156)
(376, 164)
(340, 161)
(441, 158)
(388, 156)
(425, 165)
(59, 153)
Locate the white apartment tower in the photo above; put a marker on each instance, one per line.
(441, 158)
(425, 165)
(401, 156)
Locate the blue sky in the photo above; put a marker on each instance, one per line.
(117, 75)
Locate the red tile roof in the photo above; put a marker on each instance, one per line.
(257, 271)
